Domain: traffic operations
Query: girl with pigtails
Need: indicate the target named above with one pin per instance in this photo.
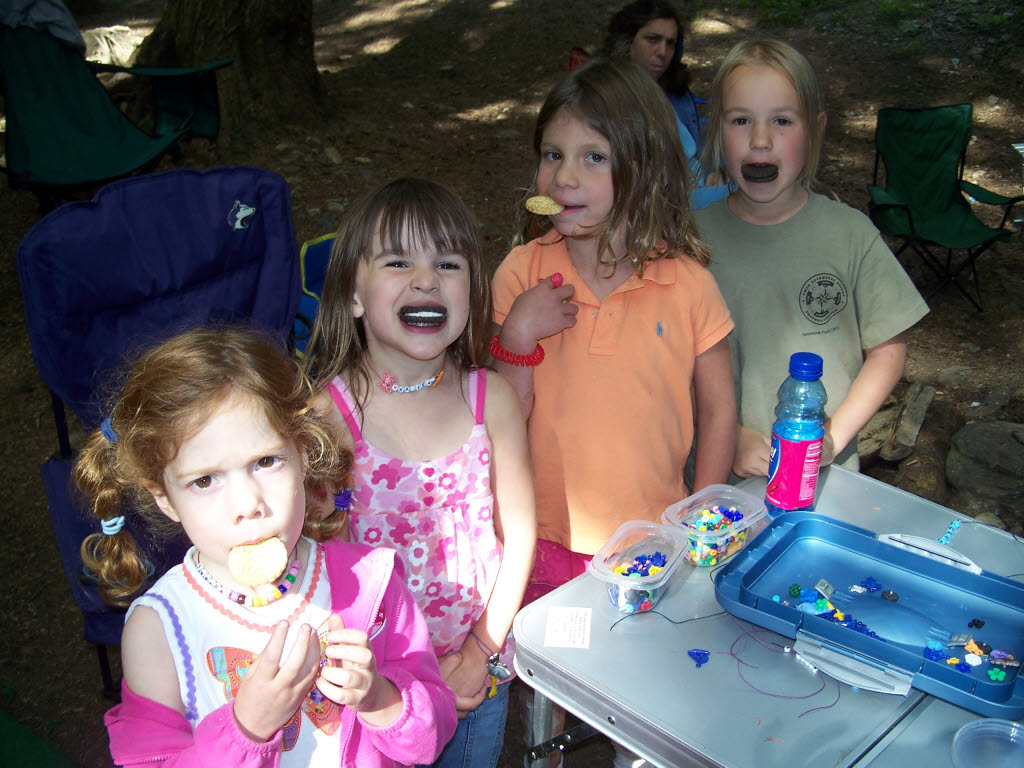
(272, 643)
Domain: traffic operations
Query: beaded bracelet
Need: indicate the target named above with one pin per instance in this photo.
(944, 539)
(498, 352)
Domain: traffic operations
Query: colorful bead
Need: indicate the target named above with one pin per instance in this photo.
(997, 675)
(253, 601)
(699, 655)
(389, 384)
(870, 584)
(708, 549)
(944, 538)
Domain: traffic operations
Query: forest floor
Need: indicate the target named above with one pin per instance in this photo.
(449, 91)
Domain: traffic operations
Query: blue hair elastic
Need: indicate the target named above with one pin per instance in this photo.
(112, 526)
(108, 431)
(343, 500)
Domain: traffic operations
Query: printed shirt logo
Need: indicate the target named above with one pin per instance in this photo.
(230, 665)
(823, 297)
(238, 218)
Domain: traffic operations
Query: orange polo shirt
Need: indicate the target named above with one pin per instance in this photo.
(612, 420)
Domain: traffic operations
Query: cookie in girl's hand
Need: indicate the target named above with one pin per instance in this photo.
(259, 563)
(543, 205)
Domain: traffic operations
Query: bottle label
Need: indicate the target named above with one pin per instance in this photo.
(793, 472)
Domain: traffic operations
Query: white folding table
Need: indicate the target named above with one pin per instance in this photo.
(636, 683)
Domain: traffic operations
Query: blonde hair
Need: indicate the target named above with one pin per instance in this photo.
(795, 66)
(403, 209)
(166, 398)
(650, 178)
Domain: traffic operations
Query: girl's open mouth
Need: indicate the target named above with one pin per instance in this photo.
(759, 173)
(425, 316)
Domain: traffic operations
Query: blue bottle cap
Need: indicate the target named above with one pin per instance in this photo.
(805, 366)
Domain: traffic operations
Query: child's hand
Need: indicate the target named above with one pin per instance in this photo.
(271, 692)
(828, 446)
(352, 679)
(752, 453)
(468, 681)
(542, 311)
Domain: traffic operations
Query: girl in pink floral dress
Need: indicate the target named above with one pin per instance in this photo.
(442, 470)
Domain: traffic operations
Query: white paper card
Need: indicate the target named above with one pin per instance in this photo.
(567, 627)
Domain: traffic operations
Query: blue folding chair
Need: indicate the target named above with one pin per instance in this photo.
(313, 258)
(146, 258)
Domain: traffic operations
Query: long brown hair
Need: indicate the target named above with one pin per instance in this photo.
(650, 177)
(166, 398)
(399, 210)
(629, 20)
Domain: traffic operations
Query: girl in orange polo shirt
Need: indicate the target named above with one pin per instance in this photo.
(609, 320)
(615, 291)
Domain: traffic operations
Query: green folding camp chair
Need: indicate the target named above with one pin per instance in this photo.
(65, 132)
(923, 202)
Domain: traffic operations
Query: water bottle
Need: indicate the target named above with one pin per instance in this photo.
(797, 437)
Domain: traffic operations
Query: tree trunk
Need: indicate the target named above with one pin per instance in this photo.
(273, 76)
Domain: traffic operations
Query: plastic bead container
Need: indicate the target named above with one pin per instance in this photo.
(717, 522)
(636, 562)
(992, 743)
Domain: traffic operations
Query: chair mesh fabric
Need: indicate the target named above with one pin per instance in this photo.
(922, 150)
(147, 257)
(923, 203)
(62, 127)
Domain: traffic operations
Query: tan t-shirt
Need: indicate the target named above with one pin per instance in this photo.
(612, 420)
(822, 281)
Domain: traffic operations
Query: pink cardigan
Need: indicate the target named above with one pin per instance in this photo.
(145, 732)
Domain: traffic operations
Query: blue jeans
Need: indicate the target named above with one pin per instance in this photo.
(478, 739)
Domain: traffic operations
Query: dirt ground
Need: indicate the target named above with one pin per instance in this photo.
(449, 90)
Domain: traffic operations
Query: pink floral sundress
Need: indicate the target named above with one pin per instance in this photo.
(438, 515)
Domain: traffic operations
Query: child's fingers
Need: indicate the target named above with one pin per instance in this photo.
(468, 703)
(304, 658)
(352, 655)
(335, 693)
(270, 658)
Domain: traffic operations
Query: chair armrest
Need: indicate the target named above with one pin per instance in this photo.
(891, 215)
(988, 197)
(96, 66)
(882, 198)
(183, 98)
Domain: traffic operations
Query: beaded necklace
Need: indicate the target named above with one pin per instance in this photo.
(389, 383)
(253, 601)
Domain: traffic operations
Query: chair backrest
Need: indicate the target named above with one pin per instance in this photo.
(313, 256)
(149, 256)
(62, 126)
(923, 152)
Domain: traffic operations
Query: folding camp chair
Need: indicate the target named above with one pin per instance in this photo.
(922, 203)
(313, 258)
(147, 257)
(64, 132)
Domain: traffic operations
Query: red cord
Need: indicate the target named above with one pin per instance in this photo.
(498, 352)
